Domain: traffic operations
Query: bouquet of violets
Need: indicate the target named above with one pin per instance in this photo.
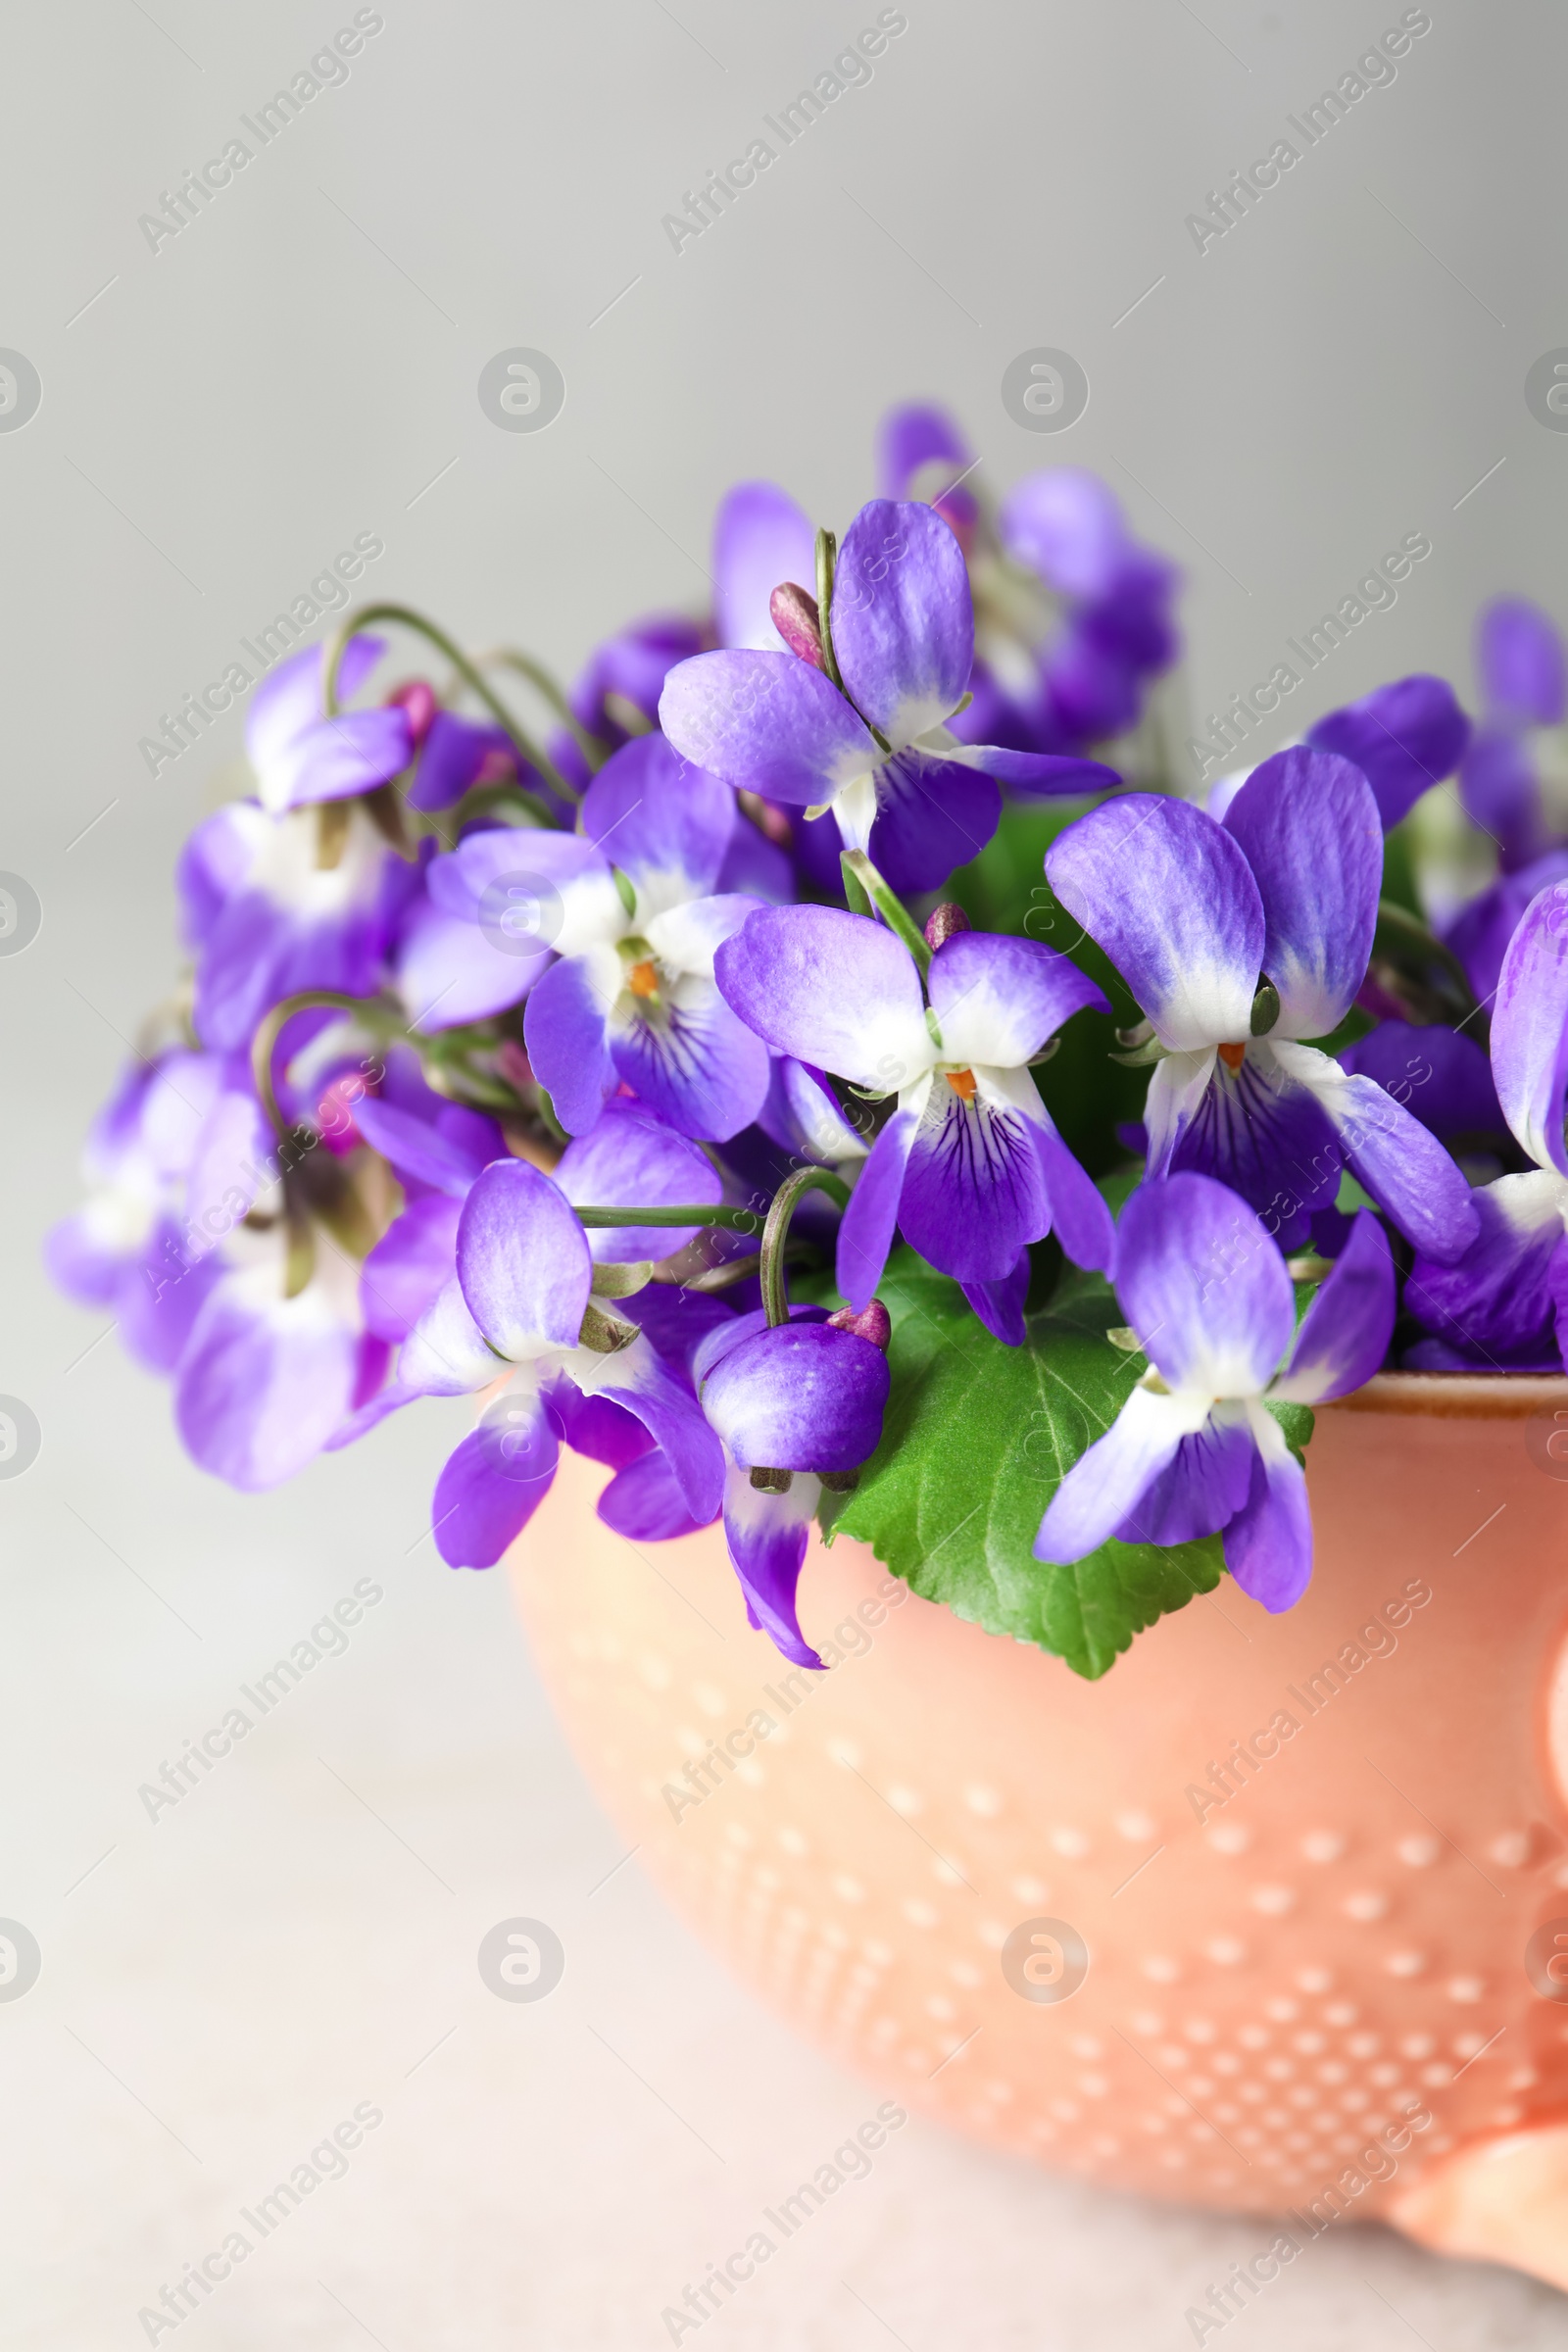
(830, 1070)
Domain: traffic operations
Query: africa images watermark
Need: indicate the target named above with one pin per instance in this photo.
(1228, 207)
(1238, 717)
(850, 70)
(1375, 1639)
(326, 593)
(706, 1773)
(328, 2161)
(328, 70)
(328, 1638)
(850, 2162)
(1377, 2161)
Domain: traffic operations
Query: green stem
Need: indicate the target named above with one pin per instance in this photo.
(507, 657)
(827, 553)
(353, 622)
(732, 1220)
(775, 1233)
(890, 906)
(264, 1045)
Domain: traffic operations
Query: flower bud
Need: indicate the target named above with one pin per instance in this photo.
(416, 699)
(945, 922)
(796, 619)
(872, 1323)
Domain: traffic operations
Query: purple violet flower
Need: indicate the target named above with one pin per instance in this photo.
(1239, 940)
(803, 1400)
(969, 1165)
(879, 752)
(1195, 1449)
(1504, 1303)
(300, 757)
(1405, 738)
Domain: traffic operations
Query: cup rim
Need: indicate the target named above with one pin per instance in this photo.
(1457, 1395)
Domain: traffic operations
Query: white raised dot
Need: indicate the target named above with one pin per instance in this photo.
(1229, 1837)
(1086, 2046)
(1507, 2115)
(1282, 2012)
(1511, 1849)
(1315, 1980)
(1273, 1901)
(1309, 2044)
(1146, 2022)
(1226, 2062)
(1523, 2078)
(880, 1955)
(1094, 2087)
(1363, 2046)
(1071, 1844)
(1161, 1969)
(1226, 1952)
(1385, 2074)
(794, 1842)
(1333, 2070)
(654, 1672)
(1465, 1988)
(1371, 1903)
(1253, 2037)
(1031, 1890)
(1137, 1828)
(938, 2005)
(919, 1914)
(848, 1889)
(1199, 2028)
(1437, 2074)
(1322, 1845)
(1467, 2045)
(711, 1700)
(1419, 1852)
(982, 1798)
(1173, 2056)
(1418, 2045)
(905, 1800)
(992, 1934)
(1406, 1964)
(965, 1972)
(1342, 2013)
(1067, 2109)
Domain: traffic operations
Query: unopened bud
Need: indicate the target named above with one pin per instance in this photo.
(797, 621)
(945, 922)
(872, 1323)
(772, 1482)
(420, 703)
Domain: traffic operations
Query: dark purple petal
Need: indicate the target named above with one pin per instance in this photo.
(1206, 1482)
(1500, 788)
(666, 824)
(1442, 1077)
(689, 1058)
(1406, 1170)
(766, 1537)
(866, 1231)
(451, 758)
(1405, 738)
(766, 722)
(644, 1503)
(1204, 1286)
(999, 1305)
(1519, 652)
(973, 1189)
(803, 1397)
(493, 1484)
(1079, 1217)
(1258, 1131)
(933, 813)
(565, 1030)
(1170, 897)
(999, 1000)
(731, 1331)
(450, 971)
(595, 1426)
(640, 1379)
(1480, 932)
(1041, 776)
(761, 540)
(1495, 1303)
(418, 1149)
(1106, 1484)
(1269, 1545)
(1308, 824)
(803, 1115)
(523, 1261)
(1344, 1335)
(405, 1273)
(902, 622)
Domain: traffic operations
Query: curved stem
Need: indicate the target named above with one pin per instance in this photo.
(264, 1045)
(732, 1220)
(775, 1292)
(507, 657)
(890, 906)
(352, 622)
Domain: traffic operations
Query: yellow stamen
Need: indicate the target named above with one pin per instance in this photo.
(643, 980)
(962, 1084)
(1233, 1057)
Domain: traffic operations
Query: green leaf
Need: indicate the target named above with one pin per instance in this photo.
(976, 1439)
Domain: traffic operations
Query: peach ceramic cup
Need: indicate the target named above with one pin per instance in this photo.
(1030, 1904)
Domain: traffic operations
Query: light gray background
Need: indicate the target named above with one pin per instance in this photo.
(300, 365)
